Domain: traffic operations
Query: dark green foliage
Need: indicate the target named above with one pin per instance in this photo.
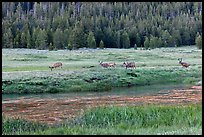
(125, 41)
(7, 39)
(199, 42)
(58, 39)
(118, 25)
(101, 45)
(135, 46)
(146, 43)
(77, 38)
(51, 47)
(91, 42)
(18, 126)
(69, 46)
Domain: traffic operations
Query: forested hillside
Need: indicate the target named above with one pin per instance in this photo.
(73, 25)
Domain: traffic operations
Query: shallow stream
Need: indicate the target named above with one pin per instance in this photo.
(119, 91)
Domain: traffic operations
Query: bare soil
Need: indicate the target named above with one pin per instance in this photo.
(51, 111)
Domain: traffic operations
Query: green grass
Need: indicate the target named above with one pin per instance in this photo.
(98, 80)
(15, 126)
(145, 119)
(81, 70)
(142, 116)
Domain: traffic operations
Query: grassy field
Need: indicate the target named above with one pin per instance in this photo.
(143, 120)
(27, 71)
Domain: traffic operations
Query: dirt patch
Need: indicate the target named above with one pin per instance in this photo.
(51, 111)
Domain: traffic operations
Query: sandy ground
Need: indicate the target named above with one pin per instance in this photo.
(51, 111)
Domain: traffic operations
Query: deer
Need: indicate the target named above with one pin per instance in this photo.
(56, 65)
(105, 65)
(129, 65)
(184, 64)
(112, 65)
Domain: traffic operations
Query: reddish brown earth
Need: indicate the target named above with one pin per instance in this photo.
(56, 110)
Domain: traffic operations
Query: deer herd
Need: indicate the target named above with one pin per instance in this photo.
(125, 64)
(113, 65)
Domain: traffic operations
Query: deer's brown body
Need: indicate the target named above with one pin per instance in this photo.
(112, 65)
(56, 65)
(184, 64)
(129, 65)
(106, 65)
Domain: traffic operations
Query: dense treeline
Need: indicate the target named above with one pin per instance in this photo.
(72, 25)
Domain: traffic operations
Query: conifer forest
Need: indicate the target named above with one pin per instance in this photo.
(73, 25)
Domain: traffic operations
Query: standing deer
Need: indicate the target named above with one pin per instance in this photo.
(56, 65)
(112, 64)
(184, 64)
(129, 65)
(105, 65)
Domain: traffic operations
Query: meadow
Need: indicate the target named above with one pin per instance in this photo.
(26, 71)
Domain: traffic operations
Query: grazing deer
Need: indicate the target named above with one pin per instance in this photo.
(129, 65)
(105, 65)
(112, 64)
(184, 64)
(56, 65)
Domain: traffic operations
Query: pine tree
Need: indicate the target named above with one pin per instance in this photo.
(7, 39)
(132, 35)
(138, 40)
(177, 37)
(91, 42)
(146, 43)
(153, 42)
(51, 47)
(66, 35)
(109, 37)
(41, 40)
(23, 40)
(58, 39)
(69, 46)
(77, 38)
(165, 37)
(118, 37)
(28, 40)
(17, 39)
(198, 42)
(99, 35)
(101, 45)
(125, 41)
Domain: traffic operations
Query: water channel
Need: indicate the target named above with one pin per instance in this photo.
(119, 91)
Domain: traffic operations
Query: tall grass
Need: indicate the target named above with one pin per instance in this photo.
(144, 119)
(15, 126)
(143, 116)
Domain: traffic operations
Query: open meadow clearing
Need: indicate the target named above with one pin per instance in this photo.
(82, 89)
